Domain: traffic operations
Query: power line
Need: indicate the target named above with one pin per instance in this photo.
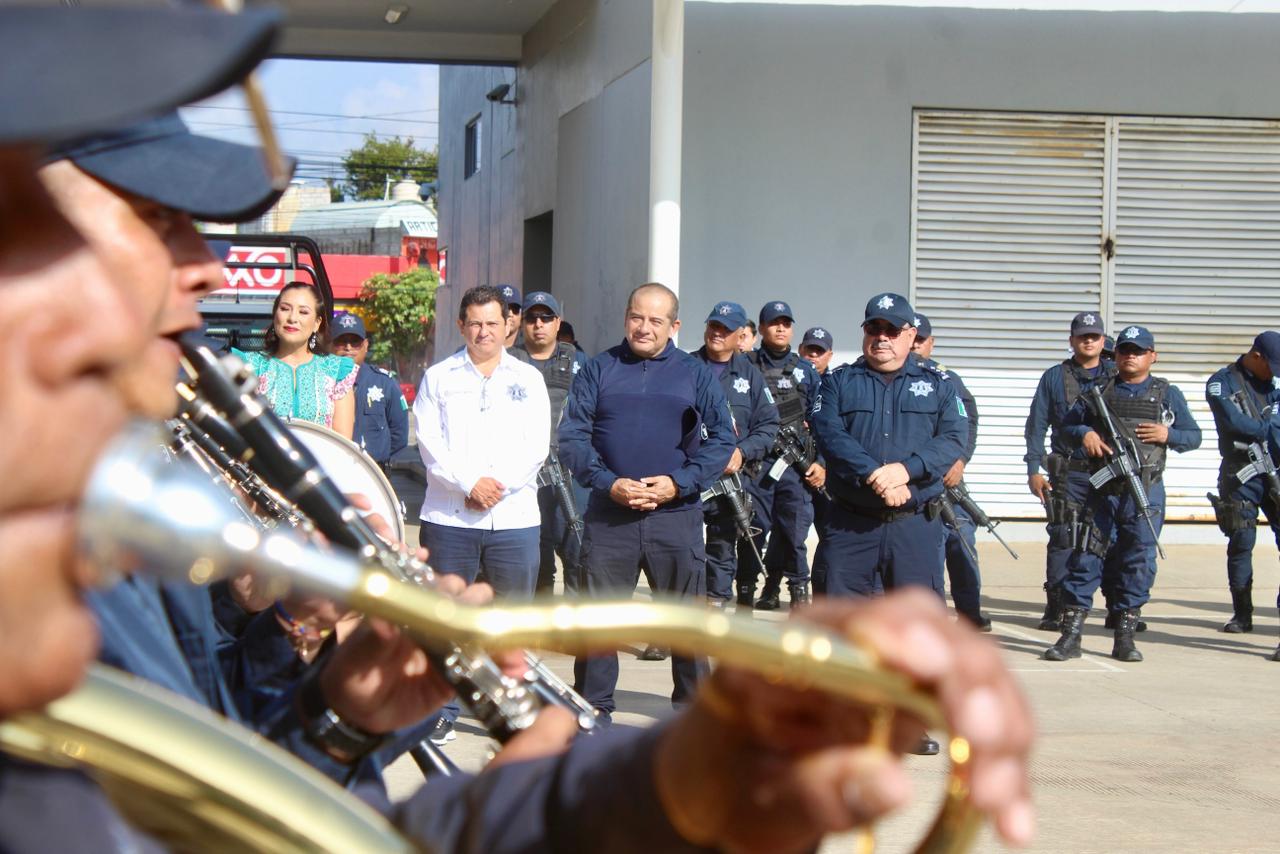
(211, 124)
(381, 117)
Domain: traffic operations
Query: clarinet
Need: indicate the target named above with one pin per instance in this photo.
(504, 705)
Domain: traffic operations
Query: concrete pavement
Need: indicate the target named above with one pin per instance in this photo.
(1174, 754)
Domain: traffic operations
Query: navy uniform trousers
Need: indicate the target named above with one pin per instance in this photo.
(617, 544)
(1059, 551)
(1240, 543)
(907, 551)
(1133, 549)
(786, 512)
(557, 538)
(962, 568)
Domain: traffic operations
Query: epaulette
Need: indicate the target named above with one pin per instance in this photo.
(935, 367)
(386, 371)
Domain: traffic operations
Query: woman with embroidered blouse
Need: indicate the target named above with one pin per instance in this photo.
(295, 371)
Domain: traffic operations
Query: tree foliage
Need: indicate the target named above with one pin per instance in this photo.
(400, 311)
(369, 166)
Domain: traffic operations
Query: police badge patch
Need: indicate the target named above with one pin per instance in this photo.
(920, 388)
(783, 382)
(517, 392)
(741, 385)
(798, 374)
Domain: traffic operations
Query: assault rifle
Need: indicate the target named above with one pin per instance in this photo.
(795, 450)
(944, 508)
(730, 488)
(959, 494)
(1122, 464)
(1260, 463)
(552, 474)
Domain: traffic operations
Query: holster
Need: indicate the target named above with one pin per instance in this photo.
(1233, 516)
(1060, 509)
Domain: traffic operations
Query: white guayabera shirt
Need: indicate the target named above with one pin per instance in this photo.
(472, 426)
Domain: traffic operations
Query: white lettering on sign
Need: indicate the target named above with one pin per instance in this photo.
(253, 279)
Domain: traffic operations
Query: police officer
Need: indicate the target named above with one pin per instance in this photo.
(559, 363)
(1064, 491)
(1152, 417)
(382, 413)
(647, 429)
(786, 508)
(816, 349)
(755, 422)
(962, 564)
(1239, 395)
(513, 309)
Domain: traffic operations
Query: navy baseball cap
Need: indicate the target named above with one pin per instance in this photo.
(544, 299)
(346, 323)
(511, 294)
(70, 72)
(817, 337)
(730, 315)
(773, 310)
(891, 307)
(164, 162)
(1135, 336)
(924, 329)
(1108, 344)
(1267, 345)
(1087, 323)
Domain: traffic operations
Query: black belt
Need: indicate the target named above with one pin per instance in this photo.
(886, 515)
(1079, 465)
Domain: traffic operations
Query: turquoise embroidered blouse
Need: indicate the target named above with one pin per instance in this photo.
(308, 392)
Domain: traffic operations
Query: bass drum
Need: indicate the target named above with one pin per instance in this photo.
(352, 470)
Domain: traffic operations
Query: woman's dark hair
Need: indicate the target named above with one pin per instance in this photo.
(271, 341)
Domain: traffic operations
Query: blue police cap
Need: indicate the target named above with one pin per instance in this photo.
(1135, 336)
(161, 160)
(891, 307)
(543, 299)
(346, 323)
(70, 72)
(924, 329)
(1267, 345)
(1108, 344)
(730, 315)
(511, 294)
(1087, 323)
(818, 337)
(773, 310)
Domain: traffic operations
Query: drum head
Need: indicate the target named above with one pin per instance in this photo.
(352, 470)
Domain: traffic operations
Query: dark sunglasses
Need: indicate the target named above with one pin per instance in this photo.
(875, 330)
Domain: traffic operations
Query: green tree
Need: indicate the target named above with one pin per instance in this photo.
(369, 166)
(400, 309)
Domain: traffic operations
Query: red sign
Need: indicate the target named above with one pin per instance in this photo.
(256, 280)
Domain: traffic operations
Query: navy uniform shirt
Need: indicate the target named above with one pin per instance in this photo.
(1049, 409)
(382, 414)
(755, 418)
(1235, 425)
(862, 423)
(970, 408)
(1184, 432)
(632, 417)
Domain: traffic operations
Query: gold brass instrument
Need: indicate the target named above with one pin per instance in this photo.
(192, 779)
(138, 516)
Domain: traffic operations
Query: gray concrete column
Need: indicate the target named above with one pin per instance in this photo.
(665, 133)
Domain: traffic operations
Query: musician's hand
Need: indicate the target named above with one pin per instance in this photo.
(735, 462)
(379, 680)
(816, 476)
(757, 765)
(551, 733)
(661, 487)
(1152, 434)
(251, 593)
(888, 477)
(487, 492)
(1094, 446)
(954, 474)
(633, 494)
(1040, 487)
(897, 496)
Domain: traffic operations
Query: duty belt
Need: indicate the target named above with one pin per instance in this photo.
(886, 515)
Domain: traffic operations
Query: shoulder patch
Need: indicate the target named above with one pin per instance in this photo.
(384, 371)
(1215, 389)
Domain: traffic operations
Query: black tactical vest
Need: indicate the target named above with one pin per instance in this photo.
(1245, 399)
(784, 387)
(1129, 412)
(1075, 378)
(557, 373)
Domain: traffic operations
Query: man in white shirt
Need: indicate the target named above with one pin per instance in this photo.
(483, 421)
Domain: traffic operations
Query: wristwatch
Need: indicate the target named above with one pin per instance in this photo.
(325, 729)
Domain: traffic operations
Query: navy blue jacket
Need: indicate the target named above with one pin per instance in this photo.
(1234, 425)
(755, 418)
(1049, 409)
(382, 414)
(862, 423)
(970, 408)
(632, 417)
(1184, 432)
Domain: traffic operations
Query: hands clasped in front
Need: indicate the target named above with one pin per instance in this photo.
(647, 493)
(890, 483)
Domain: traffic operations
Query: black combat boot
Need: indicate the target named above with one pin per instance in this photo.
(1052, 619)
(1113, 620)
(769, 600)
(653, 652)
(799, 594)
(1242, 606)
(746, 597)
(1123, 649)
(1068, 646)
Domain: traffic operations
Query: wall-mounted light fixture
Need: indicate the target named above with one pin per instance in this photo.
(395, 14)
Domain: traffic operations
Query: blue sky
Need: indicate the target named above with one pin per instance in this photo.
(345, 100)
